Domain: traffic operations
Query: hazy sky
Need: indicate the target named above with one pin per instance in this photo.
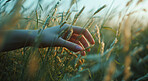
(95, 4)
(89, 4)
(116, 4)
(92, 5)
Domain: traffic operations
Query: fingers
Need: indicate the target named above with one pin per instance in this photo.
(70, 45)
(76, 45)
(80, 30)
(83, 53)
(82, 39)
(85, 32)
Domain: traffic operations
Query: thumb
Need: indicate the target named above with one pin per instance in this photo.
(70, 45)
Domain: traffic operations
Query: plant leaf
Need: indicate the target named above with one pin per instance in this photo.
(41, 6)
(109, 28)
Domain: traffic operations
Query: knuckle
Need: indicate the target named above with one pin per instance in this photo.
(82, 37)
(85, 30)
(66, 25)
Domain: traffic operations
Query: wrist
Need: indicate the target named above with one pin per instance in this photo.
(32, 36)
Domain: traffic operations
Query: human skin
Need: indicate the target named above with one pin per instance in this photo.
(15, 39)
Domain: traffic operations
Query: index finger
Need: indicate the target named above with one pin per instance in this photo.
(85, 32)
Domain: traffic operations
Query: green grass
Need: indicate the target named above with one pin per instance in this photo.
(117, 56)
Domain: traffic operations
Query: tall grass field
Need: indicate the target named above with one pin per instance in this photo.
(120, 52)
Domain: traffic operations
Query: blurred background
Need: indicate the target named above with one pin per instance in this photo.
(113, 10)
(119, 28)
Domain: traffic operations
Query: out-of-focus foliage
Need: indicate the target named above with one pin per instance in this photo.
(120, 53)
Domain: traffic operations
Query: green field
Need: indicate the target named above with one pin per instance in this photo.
(120, 52)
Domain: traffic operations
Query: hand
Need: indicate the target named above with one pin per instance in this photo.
(50, 38)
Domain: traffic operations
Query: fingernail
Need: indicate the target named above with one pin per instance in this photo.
(79, 48)
(93, 42)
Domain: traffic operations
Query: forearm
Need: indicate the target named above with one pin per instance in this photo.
(15, 39)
